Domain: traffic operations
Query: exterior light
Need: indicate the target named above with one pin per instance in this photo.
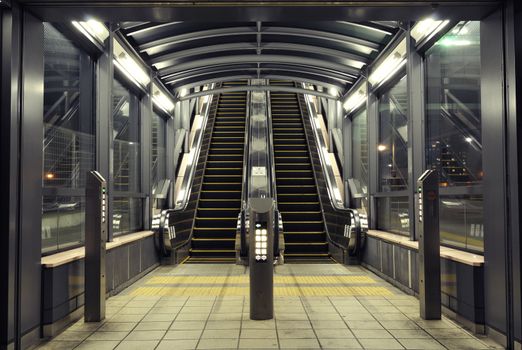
(94, 30)
(381, 148)
(427, 28)
(356, 98)
(394, 61)
(161, 100)
(128, 65)
(49, 176)
(469, 139)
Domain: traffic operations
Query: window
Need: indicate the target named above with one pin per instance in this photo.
(69, 141)
(393, 138)
(159, 146)
(453, 133)
(127, 205)
(360, 157)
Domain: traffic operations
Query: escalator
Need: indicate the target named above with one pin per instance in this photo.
(297, 194)
(219, 203)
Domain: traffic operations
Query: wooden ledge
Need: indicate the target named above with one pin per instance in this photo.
(68, 256)
(445, 252)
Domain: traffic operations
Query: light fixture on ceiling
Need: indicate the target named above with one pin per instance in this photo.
(389, 65)
(356, 98)
(427, 28)
(183, 92)
(161, 100)
(94, 30)
(128, 65)
(333, 92)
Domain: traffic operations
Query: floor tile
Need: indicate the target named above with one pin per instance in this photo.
(291, 316)
(358, 317)
(328, 324)
(324, 317)
(217, 344)
(117, 327)
(339, 344)
(223, 325)
(152, 326)
(145, 335)
(333, 333)
(192, 317)
(98, 345)
(409, 333)
(177, 325)
(372, 333)
(387, 344)
(293, 324)
(59, 345)
(220, 333)
(108, 336)
(264, 324)
(463, 344)
(399, 325)
(455, 333)
(258, 333)
(299, 344)
(186, 344)
(159, 317)
(364, 325)
(73, 335)
(421, 344)
(137, 345)
(183, 334)
(296, 333)
(267, 343)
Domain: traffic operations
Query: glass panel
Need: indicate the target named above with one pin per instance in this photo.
(126, 132)
(392, 215)
(453, 99)
(453, 132)
(159, 146)
(68, 147)
(360, 157)
(461, 222)
(127, 215)
(127, 210)
(393, 138)
(63, 222)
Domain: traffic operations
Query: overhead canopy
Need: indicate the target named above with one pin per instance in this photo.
(188, 54)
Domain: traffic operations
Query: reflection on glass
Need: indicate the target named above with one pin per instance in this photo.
(454, 142)
(453, 133)
(392, 215)
(360, 157)
(393, 138)
(461, 223)
(127, 215)
(127, 212)
(159, 146)
(68, 147)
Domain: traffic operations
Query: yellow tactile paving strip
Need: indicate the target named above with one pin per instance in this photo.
(244, 279)
(286, 291)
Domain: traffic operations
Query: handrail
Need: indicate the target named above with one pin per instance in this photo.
(242, 227)
(357, 226)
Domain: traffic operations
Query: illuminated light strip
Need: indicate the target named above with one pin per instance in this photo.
(94, 30)
(356, 98)
(161, 100)
(128, 65)
(427, 28)
(390, 65)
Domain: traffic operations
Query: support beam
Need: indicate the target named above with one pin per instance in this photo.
(257, 88)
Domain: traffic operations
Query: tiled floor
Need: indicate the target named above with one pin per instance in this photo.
(205, 307)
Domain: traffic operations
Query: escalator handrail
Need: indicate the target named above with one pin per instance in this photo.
(246, 176)
(355, 217)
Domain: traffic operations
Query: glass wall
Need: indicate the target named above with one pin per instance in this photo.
(453, 133)
(127, 203)
(69, 141)
(159, 146)
(360, 157)
(393, 138)
(392, 149)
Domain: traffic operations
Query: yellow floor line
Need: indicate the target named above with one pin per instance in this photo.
(242, 279)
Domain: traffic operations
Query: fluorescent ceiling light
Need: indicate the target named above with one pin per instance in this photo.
(427, 28)
(356, 98)
(161, 100)
(183, 92)
(94, 30)
(128, 65)
(389, 65)
(333, 92)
